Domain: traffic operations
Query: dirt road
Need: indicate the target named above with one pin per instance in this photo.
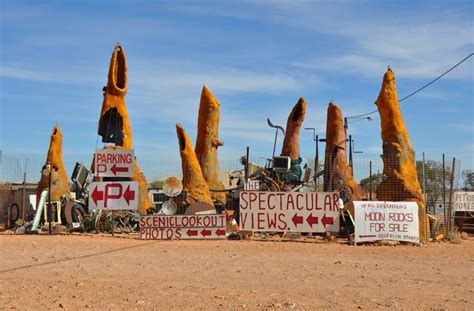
(104, 273)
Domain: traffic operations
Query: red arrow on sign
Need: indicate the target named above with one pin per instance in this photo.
(97, 195)
(205, 232)
(191, 233)
(297, 219)
(129, 195)
(116, 169)
(312, 220)
(220, 232)
(327, 220)
(367, 236)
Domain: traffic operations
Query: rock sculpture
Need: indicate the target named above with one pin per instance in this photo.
(291, 142)
(400, 181)
(114, 123)
(54, 163)
(336, 168)
(207, 142)
(193, 180)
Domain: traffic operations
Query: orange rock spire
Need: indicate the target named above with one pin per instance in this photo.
(336, 167)
(207, 142)
(291, 143)
(193, 180)
(114, 123)
(54, 161)
(401, 181)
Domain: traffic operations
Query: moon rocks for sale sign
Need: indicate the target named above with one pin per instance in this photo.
(376, 220)
(289, 211)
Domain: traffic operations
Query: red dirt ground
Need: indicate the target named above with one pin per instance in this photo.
(78, 272)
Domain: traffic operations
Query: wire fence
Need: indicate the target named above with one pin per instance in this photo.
(437, 176)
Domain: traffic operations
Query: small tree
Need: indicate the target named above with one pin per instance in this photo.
(468, 179)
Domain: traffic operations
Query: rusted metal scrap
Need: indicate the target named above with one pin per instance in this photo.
(194, 183)
(207, 142)
(336, 167)
(114, 123)
(54, 164)
(400, 181)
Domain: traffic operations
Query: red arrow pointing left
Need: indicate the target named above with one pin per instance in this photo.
(312, 220)
(119, 169)
(206, 233)
(191, 233)
(220, 232)
(327, 220)
(297, 219)
(129, 195)
(97, 195)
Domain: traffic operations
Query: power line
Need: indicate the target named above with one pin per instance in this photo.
(421, 88)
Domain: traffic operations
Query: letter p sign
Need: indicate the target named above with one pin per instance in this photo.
(112, 192)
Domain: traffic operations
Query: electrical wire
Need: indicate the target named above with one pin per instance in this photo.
(421, 88)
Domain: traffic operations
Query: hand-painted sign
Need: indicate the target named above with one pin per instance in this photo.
(251, 185)
(114, 162)
(113, 195)
(463, 201)
(376, 220)
(289, 211)
(160, 227)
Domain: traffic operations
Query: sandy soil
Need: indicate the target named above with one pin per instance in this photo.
(105, 273)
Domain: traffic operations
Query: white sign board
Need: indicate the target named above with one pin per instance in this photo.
(113, 162)
(159, 227)
(463, 201)
(289, 211)
(251, 185)
(111, 195)
(376, 220)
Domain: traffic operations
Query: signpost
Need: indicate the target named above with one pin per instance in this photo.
(113, 162)
(251, 185)
(183, 227)
(113, 195)
(376, 220)
(289, 211)
(463, 201)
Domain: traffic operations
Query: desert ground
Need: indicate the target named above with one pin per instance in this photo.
(80, 272)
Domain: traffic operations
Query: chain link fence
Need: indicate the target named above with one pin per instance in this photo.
(438, 175)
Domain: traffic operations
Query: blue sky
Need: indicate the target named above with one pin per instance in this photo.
(258, 58)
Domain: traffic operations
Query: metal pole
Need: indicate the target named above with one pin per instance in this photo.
(370, 180)
(23, 208)
(247, 164)
(274, 146)
(113, 225)
(450, 209)
(350, 151)
(316, 164)
(444, 198)
(49, 194)
(424, 197)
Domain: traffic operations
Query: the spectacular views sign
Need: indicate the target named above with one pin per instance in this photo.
(289, 211)
(386, 221)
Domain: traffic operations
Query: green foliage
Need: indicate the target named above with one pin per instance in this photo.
(376, 180)
(156, 184)
(468, 178)
(433, 173)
